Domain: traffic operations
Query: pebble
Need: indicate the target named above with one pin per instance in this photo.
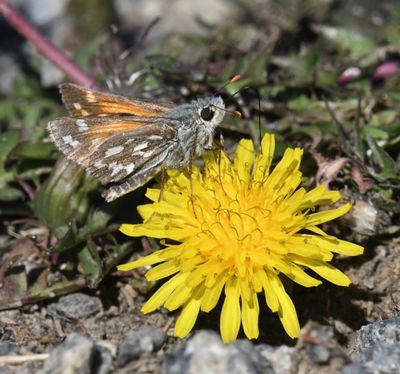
(76, 306)
(145, 339)
(318, 354)
(377, 347)
(382, 332)
(354, 368)
(282, 358)
(78, 355)
(7, 348)
(380, 359)
(142, 12)
(205, 353)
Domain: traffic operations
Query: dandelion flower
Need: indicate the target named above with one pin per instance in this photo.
(237, 228)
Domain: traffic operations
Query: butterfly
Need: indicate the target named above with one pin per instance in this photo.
(124, 142)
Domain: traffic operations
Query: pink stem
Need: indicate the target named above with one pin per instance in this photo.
(44, 46)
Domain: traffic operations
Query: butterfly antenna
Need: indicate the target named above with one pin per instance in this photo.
(259, 117)
(236, 113)
(232, 80)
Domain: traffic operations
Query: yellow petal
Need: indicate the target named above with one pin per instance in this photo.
(144, 261)
(332, 274)
(187, 318)
(178, 297)
(162, 271)
(319, 196)
(250, 312)
(230, 314)
(144, 230)
(263, 161)
(287, 312)
(243, 159)
(269, 293)
(327, 215)
(301, 277)
(325, 270)
(332, 244)
(163, 293)
(212, 295)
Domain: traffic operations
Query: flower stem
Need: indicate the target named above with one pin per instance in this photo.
(45, 47)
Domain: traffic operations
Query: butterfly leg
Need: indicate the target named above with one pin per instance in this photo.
(192, 158)
(159, 196)
(218, 147)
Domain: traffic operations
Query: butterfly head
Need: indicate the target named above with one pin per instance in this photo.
(208, 112)
(211, 111)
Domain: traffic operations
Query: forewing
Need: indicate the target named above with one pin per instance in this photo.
(111, 148)
(84, 102)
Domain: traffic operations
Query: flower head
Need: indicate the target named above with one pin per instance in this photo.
(239, 227)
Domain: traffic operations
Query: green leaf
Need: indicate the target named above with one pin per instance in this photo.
(36, 151)
(375, 133)
(300, 103)
(383, 159)
(10, 194)
(8, 141)
(65, 195)
(356, 43)
(91, 263)
(384, 117)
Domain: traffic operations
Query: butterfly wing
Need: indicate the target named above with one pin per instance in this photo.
(84, 102)
(112, 148)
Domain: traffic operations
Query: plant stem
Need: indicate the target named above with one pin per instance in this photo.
(45, 47)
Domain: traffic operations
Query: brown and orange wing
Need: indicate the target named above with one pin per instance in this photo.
(112, 148)
(85, 102)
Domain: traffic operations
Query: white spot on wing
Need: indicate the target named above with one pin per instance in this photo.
(140, 146)
(114, 150)
(99, 164)
(90, 98)
(155, 137)
(77, 106)
(138, 153)
(148, 153)
(130, 167)
(70, 141)
(83, 126)
(115, 168)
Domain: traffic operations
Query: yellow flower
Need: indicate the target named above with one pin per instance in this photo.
(238, 227)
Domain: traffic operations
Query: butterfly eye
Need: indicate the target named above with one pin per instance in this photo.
(207, 114)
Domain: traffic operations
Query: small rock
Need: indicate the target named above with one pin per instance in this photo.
(177, 15)
(318, 354)
(41, 12)
(77, 355)
(74, 355)
(382, 332)
(146, 339)
(103, 360)
(7, 348)
(4, 371)
(206, 354)
(383, 358)
(378, 346)
(76, 306)
(281, 358)
(354, 368)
